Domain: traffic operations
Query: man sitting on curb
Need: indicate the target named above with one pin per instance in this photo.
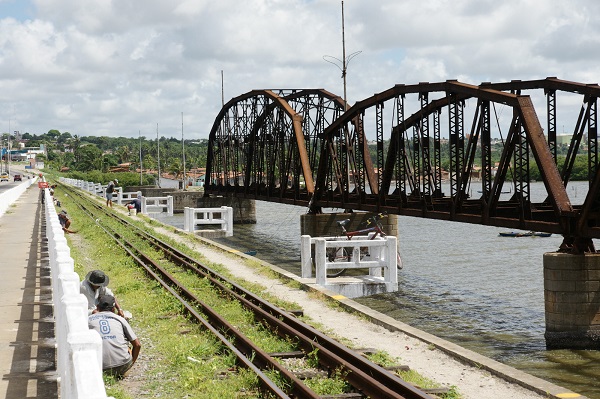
(116, 334)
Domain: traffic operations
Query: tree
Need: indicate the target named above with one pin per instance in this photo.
(89, 157)
(149, 162)
(64, 138)
(176, 168)
(53, 134)
(123, 154)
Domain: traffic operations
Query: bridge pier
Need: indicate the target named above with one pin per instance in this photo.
(323, 224)
(572, 300)
(244, 210)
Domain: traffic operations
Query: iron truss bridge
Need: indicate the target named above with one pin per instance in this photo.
(385, 153)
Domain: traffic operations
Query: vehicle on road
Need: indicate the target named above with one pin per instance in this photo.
(18, 178)
(4, 177)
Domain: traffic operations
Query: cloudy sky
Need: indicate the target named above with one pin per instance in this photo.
(122, 67)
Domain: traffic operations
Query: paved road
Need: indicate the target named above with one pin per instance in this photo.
(7, 185)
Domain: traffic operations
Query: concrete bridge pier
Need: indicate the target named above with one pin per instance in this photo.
(244, 209)
(324, 224)
(572, 300)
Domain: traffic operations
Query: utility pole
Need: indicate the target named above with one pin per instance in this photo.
(222, 91)
(183, 153)
(8, 148)
(344, 58)
(158, 154)
(141, 166)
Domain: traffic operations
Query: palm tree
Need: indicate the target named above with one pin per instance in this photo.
(124, 153)
(176, 168)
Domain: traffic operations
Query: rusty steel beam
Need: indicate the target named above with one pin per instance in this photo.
(541, 152)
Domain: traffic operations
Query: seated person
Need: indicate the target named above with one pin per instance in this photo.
(65, 222)
(95, 285)
(136, 204)
(116, 334)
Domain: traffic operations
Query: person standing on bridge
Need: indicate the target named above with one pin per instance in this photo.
(110, 189)
(116, 334)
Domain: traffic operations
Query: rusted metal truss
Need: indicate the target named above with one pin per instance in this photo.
(263, 144)
(299, 147)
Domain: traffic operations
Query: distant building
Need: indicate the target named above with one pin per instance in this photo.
(23, 153)
(564, 138)
(122, 167)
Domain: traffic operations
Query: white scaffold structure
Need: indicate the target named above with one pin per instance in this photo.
(222, 216)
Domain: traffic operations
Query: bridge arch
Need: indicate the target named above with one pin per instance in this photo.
(267, 140)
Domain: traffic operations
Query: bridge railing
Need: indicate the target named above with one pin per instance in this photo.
(376, 254)
(158, 204)
(79, 349)
(222, 216)
(99, 189)
(126, 197)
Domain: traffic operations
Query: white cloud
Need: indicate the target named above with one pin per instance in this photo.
(116, 67)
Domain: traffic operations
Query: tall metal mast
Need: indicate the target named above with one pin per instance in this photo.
(158, 154)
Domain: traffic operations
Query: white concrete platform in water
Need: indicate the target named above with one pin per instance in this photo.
(210, 233)
(380, 261)
(353, 287)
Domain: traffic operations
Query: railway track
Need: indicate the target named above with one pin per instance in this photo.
(163, 263)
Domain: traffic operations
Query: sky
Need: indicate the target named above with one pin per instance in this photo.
(141, 67)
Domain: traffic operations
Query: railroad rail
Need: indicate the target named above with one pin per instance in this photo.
(363, 375)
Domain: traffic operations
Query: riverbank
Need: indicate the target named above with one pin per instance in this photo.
(473, 375)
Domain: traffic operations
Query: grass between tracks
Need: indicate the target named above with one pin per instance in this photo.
(178, 358)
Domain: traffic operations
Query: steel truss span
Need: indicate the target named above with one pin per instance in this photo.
(418, 150)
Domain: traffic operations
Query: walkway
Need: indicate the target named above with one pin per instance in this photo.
(27, 348)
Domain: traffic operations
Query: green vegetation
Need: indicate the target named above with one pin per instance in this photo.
(77, 153)
(426, 383)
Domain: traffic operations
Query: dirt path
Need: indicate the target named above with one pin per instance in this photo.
(472, 382)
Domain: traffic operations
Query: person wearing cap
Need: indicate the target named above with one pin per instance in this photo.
(93, 287)
(135, 203)
(65, 222)
(109, 192)
(116, 334)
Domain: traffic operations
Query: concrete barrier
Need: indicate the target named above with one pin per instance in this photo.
(222, 216)
(79, 349)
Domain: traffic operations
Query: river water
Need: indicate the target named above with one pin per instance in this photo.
(460, 282)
